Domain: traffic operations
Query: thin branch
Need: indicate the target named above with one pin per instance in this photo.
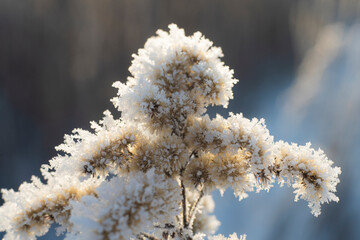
(184, 203)
(193, 153)
(148, 236)
(194, 207)
(183, 192)
(178, 218)
(167, 226)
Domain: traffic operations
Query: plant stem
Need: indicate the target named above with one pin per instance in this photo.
(183, 192)
(194, 207)
(184, 203)
(148, 236)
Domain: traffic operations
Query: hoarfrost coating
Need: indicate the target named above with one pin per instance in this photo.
(148, 175)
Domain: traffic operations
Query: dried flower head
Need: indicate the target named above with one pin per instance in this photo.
(148, 175)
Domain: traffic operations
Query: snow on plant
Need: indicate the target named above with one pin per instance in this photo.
(149, 174)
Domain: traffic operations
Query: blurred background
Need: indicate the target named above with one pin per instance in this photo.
(299, 68)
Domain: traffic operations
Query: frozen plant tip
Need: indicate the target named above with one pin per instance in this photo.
(149, 174)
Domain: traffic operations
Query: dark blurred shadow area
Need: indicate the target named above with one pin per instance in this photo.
(298, 63)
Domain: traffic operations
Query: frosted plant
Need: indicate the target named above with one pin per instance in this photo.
(149, 174)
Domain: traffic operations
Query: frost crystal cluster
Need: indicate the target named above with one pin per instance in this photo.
(149, 174)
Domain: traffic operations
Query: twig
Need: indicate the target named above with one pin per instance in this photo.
(183, 192)
(193, 153)
(184, 203)
(194, 207)
(148, 236)
(167, 226)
